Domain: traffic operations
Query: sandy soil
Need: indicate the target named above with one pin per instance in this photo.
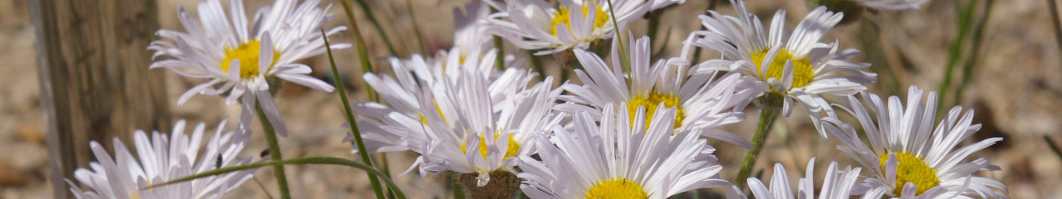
(1016, 92)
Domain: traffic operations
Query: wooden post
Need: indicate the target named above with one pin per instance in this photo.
(95, 83)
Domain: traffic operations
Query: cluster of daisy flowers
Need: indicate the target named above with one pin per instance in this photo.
(626, 126)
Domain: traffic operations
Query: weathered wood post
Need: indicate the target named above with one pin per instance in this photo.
(95, 83)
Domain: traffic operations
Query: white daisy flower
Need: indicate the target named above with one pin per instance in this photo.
(161, 159)
(910, 158)
(799, 67)
(537, 25)
(383, 125)
(611, 159)
(470, 132)
(701, 100)
(838, 184)
(231, 53)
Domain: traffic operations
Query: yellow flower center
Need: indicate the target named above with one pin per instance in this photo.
(564, 16)
(802, 74)
(651, 102)
(247, 53)
(912, 169)
(616, 189)
(514, 147)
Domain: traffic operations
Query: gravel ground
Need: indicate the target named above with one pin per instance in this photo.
(1016, 92)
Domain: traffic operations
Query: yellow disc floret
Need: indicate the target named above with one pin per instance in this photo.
(651, 102)
(911, 168)
(247, 53)
(802, 73)
(514, 147)
(616, 189)
(564, 16)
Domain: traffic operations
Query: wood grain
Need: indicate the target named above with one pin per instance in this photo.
(95, 82)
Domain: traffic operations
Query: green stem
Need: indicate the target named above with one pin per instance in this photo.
(971, 63)
(624, 60)
(654, 24)
(499, 59)
(457, 186)
(772, 104)
(955, 53)
(302, 160)
(274, 153)
(387, 172)
(536, 63)
(350, 120)
(363, 51)
(372, 19)
(416, 29)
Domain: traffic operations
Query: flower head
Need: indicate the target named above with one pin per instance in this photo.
(907, 155)
(472, 132)
(238, 58)
(701, 100)
(838, 184)
(459, 116)
(575, 24)
(160, 159)
(791, 63)
(383, 125)
(612, 160)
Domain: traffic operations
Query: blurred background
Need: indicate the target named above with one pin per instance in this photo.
(1004, 54)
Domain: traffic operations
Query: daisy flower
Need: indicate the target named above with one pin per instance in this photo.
(701, 100)
(161, 159)
(383, 125)
(239, 57)
(537, 25)
(909, 157)
(469, 132)
(793, 63)
(838, 184)
(619, 159)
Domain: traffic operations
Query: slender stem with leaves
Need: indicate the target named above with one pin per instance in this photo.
(376, 188)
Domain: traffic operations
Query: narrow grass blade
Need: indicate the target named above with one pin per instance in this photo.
(955, 53)
(372, 19)
(295, 161)
(970, 67)
(359, 42)
(350, 120)
(625, 61)
(416, 29)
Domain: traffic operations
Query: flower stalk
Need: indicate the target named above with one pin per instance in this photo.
(274, 153)
(772, 106)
